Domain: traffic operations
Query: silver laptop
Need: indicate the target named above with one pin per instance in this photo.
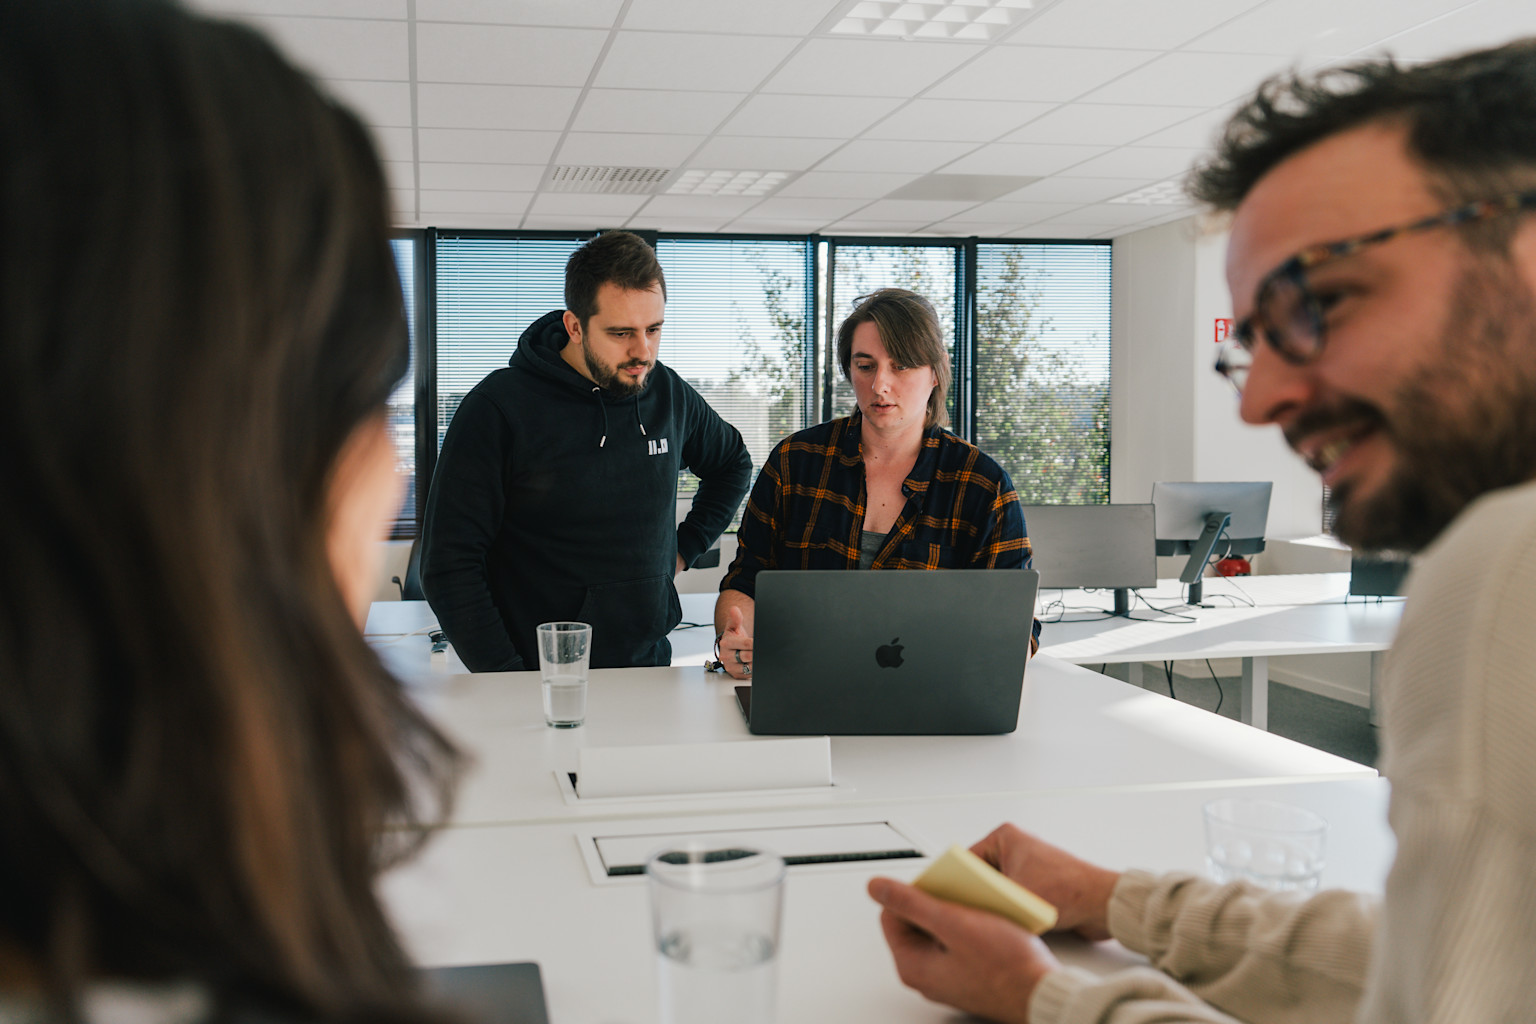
(845, 652)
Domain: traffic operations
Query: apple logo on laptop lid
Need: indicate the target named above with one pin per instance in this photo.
(889, 655)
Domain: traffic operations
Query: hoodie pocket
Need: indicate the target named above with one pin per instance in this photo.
(629, 620)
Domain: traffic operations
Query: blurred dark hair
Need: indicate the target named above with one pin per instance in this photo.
(910, 331)
(614, 257)
(1470, 121)
(199, 755)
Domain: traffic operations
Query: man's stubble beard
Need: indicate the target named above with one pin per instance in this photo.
(1463, 426)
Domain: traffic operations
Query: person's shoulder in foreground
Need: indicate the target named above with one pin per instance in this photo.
(1382, 263)
(203, 766)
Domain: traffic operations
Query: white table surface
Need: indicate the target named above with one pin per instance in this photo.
(1252, 617)
(507, 893)
(1078, 730)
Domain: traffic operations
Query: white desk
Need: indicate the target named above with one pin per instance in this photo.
(1078, 731)
(1301, 614)
(523, 893)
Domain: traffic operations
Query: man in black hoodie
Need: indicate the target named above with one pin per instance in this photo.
(554, 497)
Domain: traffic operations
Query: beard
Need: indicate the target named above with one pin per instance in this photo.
(610, 379)
(1462, 426)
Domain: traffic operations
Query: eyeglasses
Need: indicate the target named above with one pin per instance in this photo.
(1289, 314)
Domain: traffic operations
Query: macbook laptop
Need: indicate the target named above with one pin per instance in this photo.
(847, 652)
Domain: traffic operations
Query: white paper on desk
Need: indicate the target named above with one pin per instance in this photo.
(796, 763)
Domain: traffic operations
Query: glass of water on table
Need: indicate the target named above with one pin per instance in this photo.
(715, 923)
(565, 649)
(1276, 845)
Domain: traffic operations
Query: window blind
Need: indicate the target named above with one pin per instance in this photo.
(1042, 368)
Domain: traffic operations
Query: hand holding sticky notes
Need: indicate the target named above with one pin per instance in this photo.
(962, 877)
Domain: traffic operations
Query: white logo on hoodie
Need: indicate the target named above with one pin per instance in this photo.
(658, 447)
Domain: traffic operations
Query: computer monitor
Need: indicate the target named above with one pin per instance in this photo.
(1093, 547)
(1198, 519)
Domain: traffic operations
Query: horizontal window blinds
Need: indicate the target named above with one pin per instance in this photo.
(857, 270)
(1042, 368)
(736, 331)
(489, 289)
(402, 403)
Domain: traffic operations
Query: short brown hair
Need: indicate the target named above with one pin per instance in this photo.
(613, 257)
(910, 331)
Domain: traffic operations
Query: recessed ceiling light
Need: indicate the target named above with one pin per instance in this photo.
(972, 20)
(1164, 193)
(726, 183)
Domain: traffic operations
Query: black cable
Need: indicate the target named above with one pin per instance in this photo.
(1220, 693)
(1168, 671)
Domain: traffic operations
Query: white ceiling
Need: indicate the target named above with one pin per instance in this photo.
(474, 102)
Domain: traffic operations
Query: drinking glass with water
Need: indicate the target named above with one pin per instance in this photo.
(715, 920)
(565, 649)
(1276, 845)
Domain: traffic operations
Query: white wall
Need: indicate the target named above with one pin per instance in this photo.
(1173, 417)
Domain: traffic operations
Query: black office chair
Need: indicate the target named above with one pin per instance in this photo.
(410, 590)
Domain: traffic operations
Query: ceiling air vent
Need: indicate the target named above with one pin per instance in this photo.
(610, 180)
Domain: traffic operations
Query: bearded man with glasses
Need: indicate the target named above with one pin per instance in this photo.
(1382, 263)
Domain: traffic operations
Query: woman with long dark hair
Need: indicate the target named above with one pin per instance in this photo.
(201, 762)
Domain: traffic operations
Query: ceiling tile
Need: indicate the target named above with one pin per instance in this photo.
(646, 222)
(400, 174)
(502, 55)
(312, 8)
(761, 154)
(784, 207)
(1187, 79)
(1018, 213)
(807, 116)
(586, 14)
(956, 120)
(1138, 162)
(868, 67)
(1303, 29)
(1106, 215)
(876, 227)
(1472, 27)
(523, 107)
(1119, 24)
(394, 143)
(884, 156)
(963, 227)
(597, 206)
(649, 110)
(722, 207)
(925, 210)
(785, 17)
(845, 185)
(1074, 190)
(1038, 73)
(674, 60)
(631, 149)
(1012, 158)
(773, 226)
(402, 201)
(1198, 132)
(1055, 231)
(385, 104)
(472, 146)
(481, 177)
(1099, 124)
(444, 201)
(344, 47)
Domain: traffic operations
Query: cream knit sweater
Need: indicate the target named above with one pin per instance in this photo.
(1454, 937)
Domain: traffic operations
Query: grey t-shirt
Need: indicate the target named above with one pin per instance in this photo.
(870, 544)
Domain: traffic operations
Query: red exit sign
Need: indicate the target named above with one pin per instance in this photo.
(1223, 328)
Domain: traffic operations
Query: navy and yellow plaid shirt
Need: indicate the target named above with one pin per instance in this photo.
(806, 510)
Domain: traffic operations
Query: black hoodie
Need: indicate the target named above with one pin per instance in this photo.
(553, 500)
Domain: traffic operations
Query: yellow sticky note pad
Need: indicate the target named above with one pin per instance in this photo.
(962, 877)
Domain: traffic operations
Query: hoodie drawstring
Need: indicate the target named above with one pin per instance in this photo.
(637, 416)
(597, 393)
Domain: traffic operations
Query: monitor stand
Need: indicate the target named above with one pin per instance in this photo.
(1200, 554)
(1122, 602)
